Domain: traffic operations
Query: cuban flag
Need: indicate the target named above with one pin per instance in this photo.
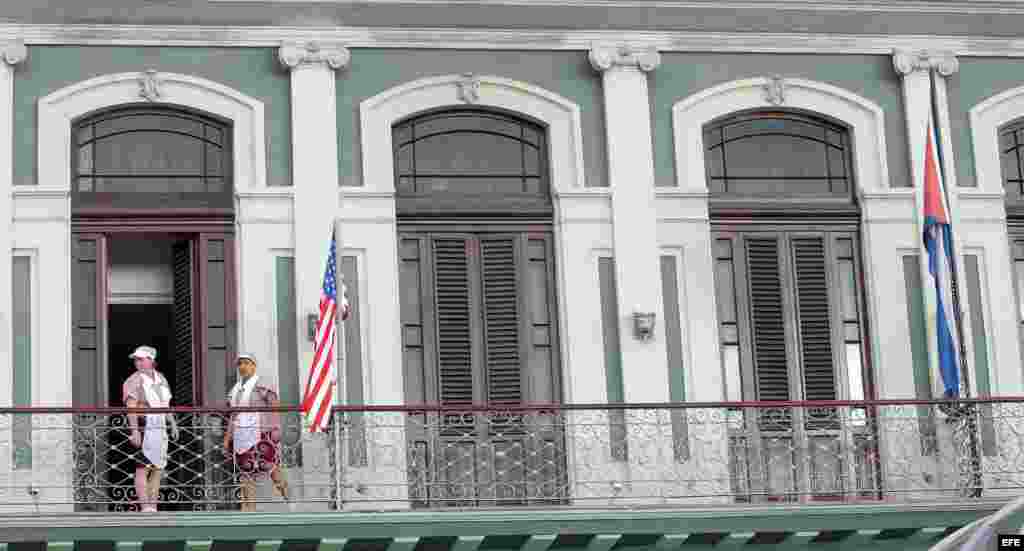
(938, 250)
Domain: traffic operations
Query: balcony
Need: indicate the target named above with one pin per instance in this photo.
(696, 460)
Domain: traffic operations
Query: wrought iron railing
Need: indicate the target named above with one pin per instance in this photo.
(693, 454)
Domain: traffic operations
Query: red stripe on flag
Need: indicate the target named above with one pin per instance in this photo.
(321, 361)
(933, 207)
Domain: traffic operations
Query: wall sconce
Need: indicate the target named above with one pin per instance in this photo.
(311, 320)
(643, 325)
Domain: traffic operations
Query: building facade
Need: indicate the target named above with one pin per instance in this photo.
(595, 203)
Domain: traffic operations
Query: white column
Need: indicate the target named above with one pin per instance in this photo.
(12, 54)
(314, 175)
(634, 222)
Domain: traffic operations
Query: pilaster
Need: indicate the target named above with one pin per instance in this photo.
(314, 175)
(634, 222)
(11, 54)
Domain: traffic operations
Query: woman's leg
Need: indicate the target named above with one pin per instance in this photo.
(153, 487)
(141, 490)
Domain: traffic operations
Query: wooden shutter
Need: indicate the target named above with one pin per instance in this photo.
(454, 336)
(814, 318)
(501, 320)
(89, 322)
(217, 320)
(764, 277)
(89, 366)
(184, 389)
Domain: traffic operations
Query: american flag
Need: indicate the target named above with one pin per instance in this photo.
(319, 395)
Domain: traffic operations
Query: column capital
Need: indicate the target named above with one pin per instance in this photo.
(906, 62)
(605, 57)
(293, 56)
(14, 52)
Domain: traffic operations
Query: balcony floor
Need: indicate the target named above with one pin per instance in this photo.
(877, 526)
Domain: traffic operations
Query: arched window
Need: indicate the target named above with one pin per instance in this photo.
(478, 298)
(146, 156)
(1011, 143)
(788, 282)
(470, 161)
(778, 155)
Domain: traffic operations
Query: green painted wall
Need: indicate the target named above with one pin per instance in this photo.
(871, 77)
(977, 80)
(568, 74)
(252, 71)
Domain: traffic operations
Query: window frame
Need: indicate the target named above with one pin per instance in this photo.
(99, 203)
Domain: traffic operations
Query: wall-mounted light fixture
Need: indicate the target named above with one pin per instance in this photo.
(643, 324)
(311, 320)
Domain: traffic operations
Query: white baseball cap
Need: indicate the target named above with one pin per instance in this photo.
(144, 352)
(245, 356)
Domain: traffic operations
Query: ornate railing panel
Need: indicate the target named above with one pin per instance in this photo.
(609, 455)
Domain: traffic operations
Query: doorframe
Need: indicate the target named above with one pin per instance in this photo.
(198, 226)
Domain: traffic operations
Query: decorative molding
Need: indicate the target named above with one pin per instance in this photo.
(58, 109)
(604, 57)
(510, 39)
(775, 91)
(293, 56)
(149, 85)
(952, 7)
(380, 112)
(987, 117)
(906, 62)
(14, 52)
(866, 119)
(469, 88)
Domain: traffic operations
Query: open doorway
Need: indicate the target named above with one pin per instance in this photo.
(133, 325)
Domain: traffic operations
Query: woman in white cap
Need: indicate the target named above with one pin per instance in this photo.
(254, 438)
(148, 388)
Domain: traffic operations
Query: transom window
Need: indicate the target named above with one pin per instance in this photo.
(151, 150)
(1011, 141)
(468, 159)
(777, 154)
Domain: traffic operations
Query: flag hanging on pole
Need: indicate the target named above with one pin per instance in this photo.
(319, 396)
(941, 302)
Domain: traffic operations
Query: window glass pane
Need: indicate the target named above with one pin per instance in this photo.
(85, 184)
(836, 162)
(403, 160)
(731, 367)
(215, 185)
(713, 161)
(139, 153)
(85, 133)
(214, 160)
(148, 122)
(532, 160)
(471, 185)
(854, 371)
(839, 186)
(775, 156)
(468, 153)
(1006, 141)
(532, 185)
(532, 135)
(775, 187)
(467, 121)
(1019, 269)
(406, 185)
(848, 289)
(1011, 168)
(150, 185)
(85, 159)
(835, 138)
(767, 123)
(214, 135)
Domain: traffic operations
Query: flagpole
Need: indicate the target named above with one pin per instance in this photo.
(342, 359)
(975, 488)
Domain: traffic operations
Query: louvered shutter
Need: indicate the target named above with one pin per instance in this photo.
(814, 318)
(499, 276)
(768, 321)
(454, 336)
(184, 390)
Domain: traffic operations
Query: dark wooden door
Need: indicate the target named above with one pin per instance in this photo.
(478, 328)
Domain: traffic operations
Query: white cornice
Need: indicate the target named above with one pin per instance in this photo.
(970, 7)
(498, 39)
